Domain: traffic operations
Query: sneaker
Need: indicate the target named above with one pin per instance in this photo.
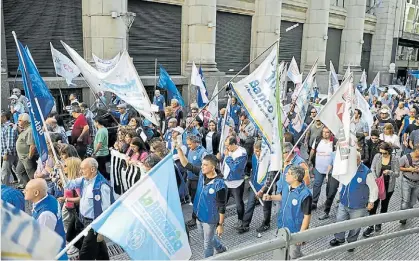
(334, 242)
(243, 230)
(222, 250)
(378, 228)
(351, 250)
(72, 250)
(190, 204)
(324, 216)
(263, 228)
(368, 232)
(403, 222)
(238, 224)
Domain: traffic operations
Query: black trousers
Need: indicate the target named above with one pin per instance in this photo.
(332, 187)
(250, 208)
(384, 204)
(237, 194)
(192, 185)
(102, 160)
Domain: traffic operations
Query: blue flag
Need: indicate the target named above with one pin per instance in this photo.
(35, 88)
(165, 82)
(153, 227)
(199, 99)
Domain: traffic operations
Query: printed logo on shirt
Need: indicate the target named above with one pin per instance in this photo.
(194, 157)
(294, 202)
(97, 197)
(211, 191)
(359, 180)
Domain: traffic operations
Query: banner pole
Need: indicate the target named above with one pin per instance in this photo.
(155, 75)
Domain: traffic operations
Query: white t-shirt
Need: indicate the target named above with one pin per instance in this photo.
(323, 156)
(208, 139)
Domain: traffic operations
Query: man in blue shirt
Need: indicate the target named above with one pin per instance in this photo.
(122, 114)
(161, 103)
(13, 196)
(95, 197)
(295, 211)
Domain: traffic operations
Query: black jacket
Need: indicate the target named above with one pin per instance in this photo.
(215, 142)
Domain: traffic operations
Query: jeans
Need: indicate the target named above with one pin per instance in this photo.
(25, 170)
(237, 194)
(345, 213)
(6, 169)
(410, 193)
(331, 189)
(211, 240)
(251, 204)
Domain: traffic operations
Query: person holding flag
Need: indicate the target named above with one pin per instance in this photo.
(235, 111)
(209, 205)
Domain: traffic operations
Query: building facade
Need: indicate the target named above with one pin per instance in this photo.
(222, 36)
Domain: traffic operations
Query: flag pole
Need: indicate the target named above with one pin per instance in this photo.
(235, 76)
(39, 109)
(155, 75)
(301, 137)
(278, 104)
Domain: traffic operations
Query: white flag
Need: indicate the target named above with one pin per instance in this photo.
(257, 94)
(294, 72)
(225, 128)
(284, 82)
(23, 238)
(301, 104)
(363, 81)
(347, 73)
(197, 81)
(264, 161)
(363, 105)
(213, 105)
(64, 66)
(333, 81)
(123, 80)
(105, 65)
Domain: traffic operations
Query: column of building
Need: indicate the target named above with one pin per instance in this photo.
(266, 26)
(352, 36)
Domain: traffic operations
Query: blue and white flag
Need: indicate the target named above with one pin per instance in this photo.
(23, 238)
(225, 127)
(197, 79)
(35, 89)
(374, 86)
(103, 65)
(153, 227)
(363, 81)
(64, 66)
(165, 82)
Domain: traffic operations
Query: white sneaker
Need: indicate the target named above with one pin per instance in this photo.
(190, 204)
(72, 250)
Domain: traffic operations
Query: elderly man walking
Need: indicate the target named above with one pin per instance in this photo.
(8, 145)
(25, 148)
(95, 197)
(46, 209)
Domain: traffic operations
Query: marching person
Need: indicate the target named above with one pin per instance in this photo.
(295, 211)
(409, 166)
(159, 101)
(8, 145)
(26, 150)
(46, 209)
(210, 202)
(235, 158)
(16, 108)
(80, 136)
(95, 197)
(21, 98)
(177, 110)
(100, 146)
(195, 155)
(355, 199)
(258, 183)
(235, 111)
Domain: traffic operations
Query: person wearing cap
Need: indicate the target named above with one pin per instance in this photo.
(90, 119)
(16, 108)
(383, 119)
(8, 145)
(122, 114)
(26, 150)
(177, 110)
(22, 99)
(295, 210)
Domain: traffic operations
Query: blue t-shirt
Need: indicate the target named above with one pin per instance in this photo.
(159, 101)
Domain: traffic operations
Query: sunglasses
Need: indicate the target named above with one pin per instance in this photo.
(384, 153)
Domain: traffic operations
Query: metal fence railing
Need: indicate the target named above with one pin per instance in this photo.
(280, 245)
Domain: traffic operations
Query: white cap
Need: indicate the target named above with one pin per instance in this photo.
(13, 97)
(178, 129)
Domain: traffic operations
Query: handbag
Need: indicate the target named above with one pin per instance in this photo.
(381, 187)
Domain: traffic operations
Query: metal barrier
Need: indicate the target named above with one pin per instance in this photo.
(280, 245)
